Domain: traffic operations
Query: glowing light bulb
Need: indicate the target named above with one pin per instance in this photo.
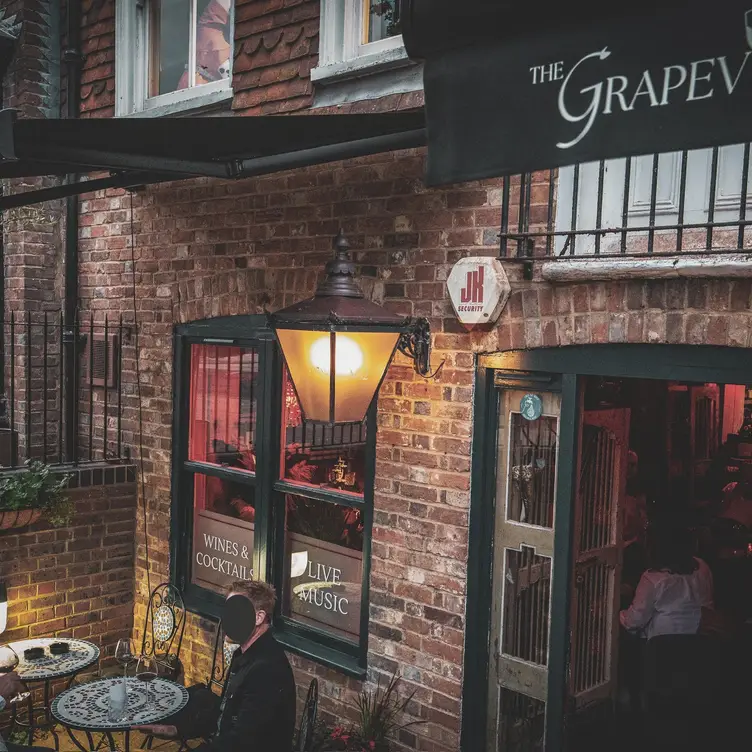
(348, 359)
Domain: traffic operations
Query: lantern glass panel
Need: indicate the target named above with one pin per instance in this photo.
(319, 455)
(360, 360)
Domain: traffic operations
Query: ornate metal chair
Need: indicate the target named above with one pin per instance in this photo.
(163, 629)
(223, 653)
(304, 742)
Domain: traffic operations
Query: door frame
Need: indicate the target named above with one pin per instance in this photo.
(698, 363)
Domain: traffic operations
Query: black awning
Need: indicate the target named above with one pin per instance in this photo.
(158, 149)
(511, 87)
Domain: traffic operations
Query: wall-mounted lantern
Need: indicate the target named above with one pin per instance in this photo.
(338, 345)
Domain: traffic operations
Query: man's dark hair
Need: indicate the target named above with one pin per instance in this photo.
(261, 594)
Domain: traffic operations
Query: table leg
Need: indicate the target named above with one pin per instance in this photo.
(127, 741)
(111, 742)
(31, 719)
(47, 701)
(12, 717)
(77, 743)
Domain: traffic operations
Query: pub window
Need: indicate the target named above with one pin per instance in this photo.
(259, 492)
(180, 54)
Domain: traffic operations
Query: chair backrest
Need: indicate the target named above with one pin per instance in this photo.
(223, 653)
(308, 718)
(164, 626)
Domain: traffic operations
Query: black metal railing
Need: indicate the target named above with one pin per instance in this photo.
(44, 415)
(685, 202)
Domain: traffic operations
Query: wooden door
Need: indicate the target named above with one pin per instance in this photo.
(602, 477)
(523, 556)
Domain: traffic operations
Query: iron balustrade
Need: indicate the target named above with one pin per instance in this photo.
(36, 349)
(694, 202)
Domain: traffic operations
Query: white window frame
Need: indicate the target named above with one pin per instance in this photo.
(131, 70)
(697, 196)
(343, 54)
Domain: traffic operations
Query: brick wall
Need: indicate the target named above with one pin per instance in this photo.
(208, 249)
(75, 581)
(98, 49)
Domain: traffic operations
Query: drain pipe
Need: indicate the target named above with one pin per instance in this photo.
(72, 59)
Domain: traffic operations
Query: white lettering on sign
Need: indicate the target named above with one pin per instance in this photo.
(479, 289)
(326, 581)
(325, 599)
(550, 72)
(224, 567)
(694, 81)
(222, 550)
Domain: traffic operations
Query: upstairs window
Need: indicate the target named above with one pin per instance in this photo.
(172, 55)
(359, 37)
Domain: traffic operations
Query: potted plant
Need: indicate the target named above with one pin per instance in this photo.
(379, 714)
(35, 492)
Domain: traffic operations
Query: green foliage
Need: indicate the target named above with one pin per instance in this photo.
(39, 488)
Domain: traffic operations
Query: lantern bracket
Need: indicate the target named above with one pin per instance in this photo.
(415, 343)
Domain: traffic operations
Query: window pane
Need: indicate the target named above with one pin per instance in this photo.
(382, 19)
(324, 556)
(173, 65)
(223, 525)
(222, 421)
(169, 38)
(213, 41)
(527, 598)
(320, 455)
(528, 451)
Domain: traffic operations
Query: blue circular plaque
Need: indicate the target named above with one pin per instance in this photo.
(531, 407)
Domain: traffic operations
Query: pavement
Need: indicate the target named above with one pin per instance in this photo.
(46, 740)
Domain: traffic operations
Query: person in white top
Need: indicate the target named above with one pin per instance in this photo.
(672, 594)
(10, 686)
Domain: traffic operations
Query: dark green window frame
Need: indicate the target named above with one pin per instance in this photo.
(252, 331)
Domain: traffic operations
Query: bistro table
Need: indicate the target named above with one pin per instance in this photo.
(86, 707)
(81, 654)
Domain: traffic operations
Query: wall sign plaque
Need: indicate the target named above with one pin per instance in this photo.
(531, 407)
(479, 289)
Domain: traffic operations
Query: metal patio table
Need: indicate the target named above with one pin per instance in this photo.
(81, 654)
(86, 708)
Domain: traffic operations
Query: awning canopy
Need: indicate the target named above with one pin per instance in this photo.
(518, 87)
(144, 150)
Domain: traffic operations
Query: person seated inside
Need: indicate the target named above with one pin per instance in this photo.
(670, 603)
(257, 709)
(11, 686)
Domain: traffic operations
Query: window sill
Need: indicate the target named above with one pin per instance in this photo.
(361, 66)
(313, 651)
(183, 103)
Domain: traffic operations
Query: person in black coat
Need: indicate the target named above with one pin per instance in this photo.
(257, 710)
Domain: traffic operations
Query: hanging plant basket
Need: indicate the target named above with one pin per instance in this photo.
(30, 494)
(10, 519)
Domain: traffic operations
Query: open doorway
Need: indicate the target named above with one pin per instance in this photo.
(657, 455)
